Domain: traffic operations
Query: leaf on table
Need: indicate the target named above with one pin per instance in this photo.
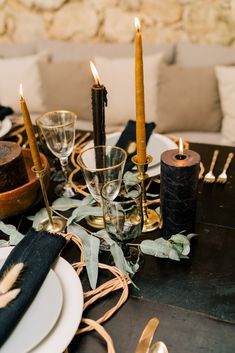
(152, 195)
(84, 211)
(191, 235)
(4, 243)
(162, 247)
(88, 200)
(158, 211)
(14, 235)
(131, 178)
(159, 248)
(65, 203)
(91, 246)
(39, 217)
(181, 241)
(117, 253)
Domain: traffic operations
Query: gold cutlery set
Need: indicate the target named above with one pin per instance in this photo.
(222, 178)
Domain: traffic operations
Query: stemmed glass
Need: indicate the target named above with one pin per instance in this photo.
(58, 129)
(123, 217)
(99, 165)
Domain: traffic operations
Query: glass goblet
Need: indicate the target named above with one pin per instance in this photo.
(99, 165)
(123, 217)
(58, 129)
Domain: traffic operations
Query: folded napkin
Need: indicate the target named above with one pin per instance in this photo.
(37, 251)
(128, 136)
(4, 111)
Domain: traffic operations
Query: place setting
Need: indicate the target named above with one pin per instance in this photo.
(116, 200)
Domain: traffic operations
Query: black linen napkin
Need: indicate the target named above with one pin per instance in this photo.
(4, 111)
(129, 135)
(37, 251)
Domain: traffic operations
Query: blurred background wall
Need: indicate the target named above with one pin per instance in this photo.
(198, 21)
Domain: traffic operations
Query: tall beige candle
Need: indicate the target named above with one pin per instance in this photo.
(139, 91)
(30, 133)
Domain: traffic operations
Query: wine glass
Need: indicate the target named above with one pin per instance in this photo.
(99, 165)
(123, 216)
(58, 129)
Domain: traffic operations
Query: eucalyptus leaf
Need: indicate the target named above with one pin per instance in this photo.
(146, 246)
(131, 178)
(152, 195)
(84, 211)
(180, 240)
(91, 246)
(173, 255)
(39, 217)
(158, 211)
(191, 235)
(4, 243)
(88, 200)
(14, 235)
(117, 253)
(132, 194)
(65, 203)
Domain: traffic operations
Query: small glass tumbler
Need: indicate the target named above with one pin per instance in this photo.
(123, 216)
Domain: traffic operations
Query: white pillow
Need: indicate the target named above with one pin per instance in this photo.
(25, 70)
(117, 75)
(226, 80)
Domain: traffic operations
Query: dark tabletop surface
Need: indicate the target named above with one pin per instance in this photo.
(194, 299)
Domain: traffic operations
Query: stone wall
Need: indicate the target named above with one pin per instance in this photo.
(201, 21)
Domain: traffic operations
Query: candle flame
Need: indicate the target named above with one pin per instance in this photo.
(95, 73)
(21, 90)
(137, 24)
(181, 147)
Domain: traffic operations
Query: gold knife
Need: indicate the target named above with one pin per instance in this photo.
(147, 336)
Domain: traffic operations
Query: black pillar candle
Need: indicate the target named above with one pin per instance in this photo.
(178, 191)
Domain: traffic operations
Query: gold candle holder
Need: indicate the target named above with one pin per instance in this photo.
(151, 219)
(52, 224)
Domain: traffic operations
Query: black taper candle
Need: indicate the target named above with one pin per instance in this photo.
(178, 191)
(99, 101)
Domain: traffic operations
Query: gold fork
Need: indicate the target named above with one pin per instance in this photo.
(209, 177)
(222, 178)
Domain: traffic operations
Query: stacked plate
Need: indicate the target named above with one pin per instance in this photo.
(156, 145)
(53, 317)
(5, 126)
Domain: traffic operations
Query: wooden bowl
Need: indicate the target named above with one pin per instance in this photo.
(18, 200)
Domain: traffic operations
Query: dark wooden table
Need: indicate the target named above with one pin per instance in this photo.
(194, 299)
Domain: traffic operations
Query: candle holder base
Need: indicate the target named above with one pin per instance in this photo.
(95, 221)
(151, 220)
(58, 224)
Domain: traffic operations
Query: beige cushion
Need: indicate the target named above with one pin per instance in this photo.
(226, 81)
(188, 99)
(25, 70)
(67, 85)
(188, 54)
(118, 77)
(65, 51)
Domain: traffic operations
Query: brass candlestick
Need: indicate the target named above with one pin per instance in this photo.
(150, 217)
(52, 224)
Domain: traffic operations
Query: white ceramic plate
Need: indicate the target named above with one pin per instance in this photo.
(63, 330)
(156, 145)
(5, 126)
